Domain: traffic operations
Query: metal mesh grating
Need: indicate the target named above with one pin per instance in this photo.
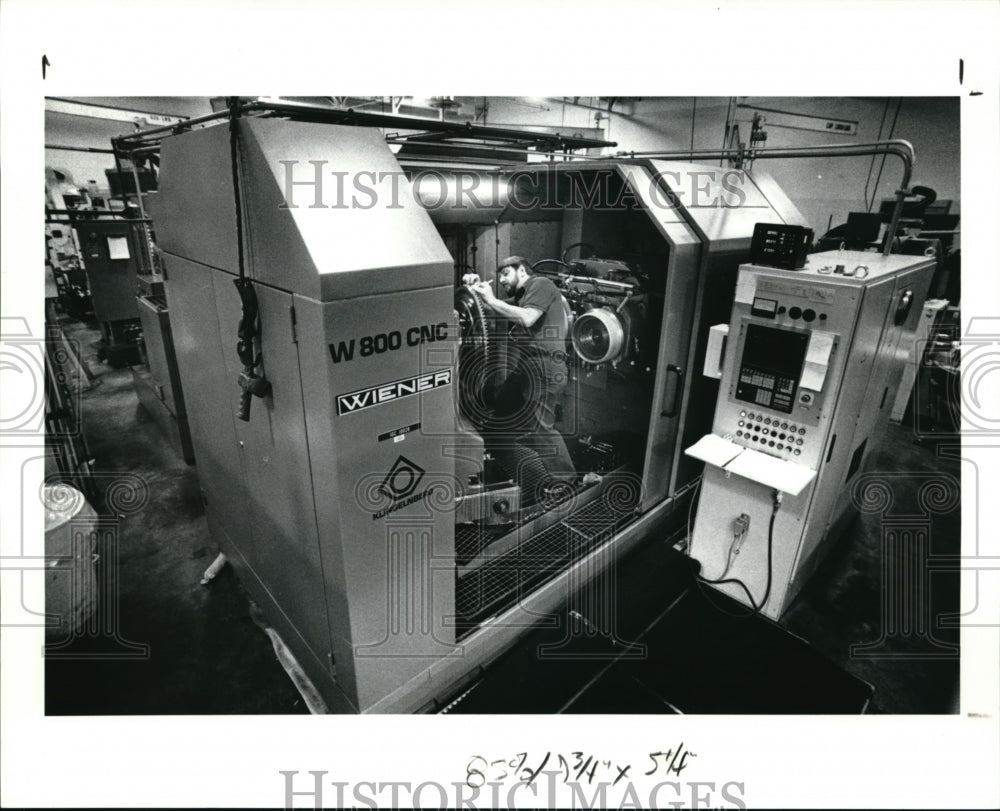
(597, 519)
(509, 576)
(471, 539)
(500, 583)
(468, 541)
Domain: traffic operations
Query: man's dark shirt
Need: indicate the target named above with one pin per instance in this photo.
(543, 344)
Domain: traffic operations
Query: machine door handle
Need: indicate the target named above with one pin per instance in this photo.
(904, 307)
(150, 304)
(675, 407)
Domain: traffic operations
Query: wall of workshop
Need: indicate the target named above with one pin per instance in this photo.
(76, 130)
(824, 189)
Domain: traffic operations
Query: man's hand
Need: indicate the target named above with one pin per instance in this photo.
(525, 316)
(485, 289)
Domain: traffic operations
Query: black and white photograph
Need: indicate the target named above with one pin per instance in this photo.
(500, 449)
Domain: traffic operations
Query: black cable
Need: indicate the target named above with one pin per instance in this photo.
(755, 607)
(234, 151)
(248, 348)
(770, 547)
(534, 267)
(698, 579)
(496, 252)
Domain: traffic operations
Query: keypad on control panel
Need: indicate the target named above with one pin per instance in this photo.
(771, 433)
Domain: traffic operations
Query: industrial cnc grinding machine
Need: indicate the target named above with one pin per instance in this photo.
(342, 467)
(811, 366)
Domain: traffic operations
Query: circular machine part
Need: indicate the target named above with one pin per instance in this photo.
(473, 356)
(472, 327)
(599, 336)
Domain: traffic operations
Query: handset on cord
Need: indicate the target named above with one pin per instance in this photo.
(251, 384)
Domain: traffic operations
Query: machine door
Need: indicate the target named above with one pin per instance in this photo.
(199, 346)
(677, 325)
(156, 336)
(673, 378)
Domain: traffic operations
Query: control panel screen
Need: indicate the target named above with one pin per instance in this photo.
(771, 366)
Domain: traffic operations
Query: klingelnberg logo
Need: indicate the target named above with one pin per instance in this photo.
(402, 479)
(399, 484)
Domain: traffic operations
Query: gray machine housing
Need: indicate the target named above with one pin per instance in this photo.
(810, 373)
(336, 502)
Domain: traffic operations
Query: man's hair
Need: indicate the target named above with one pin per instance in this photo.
(515, 262)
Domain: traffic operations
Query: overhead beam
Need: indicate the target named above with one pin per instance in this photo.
(88, 110)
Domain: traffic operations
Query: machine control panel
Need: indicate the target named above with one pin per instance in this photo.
(771, 366)
(858, 331)
(781, 363)
(775, 400)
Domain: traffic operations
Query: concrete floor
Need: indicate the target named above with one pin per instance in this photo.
(174, 646)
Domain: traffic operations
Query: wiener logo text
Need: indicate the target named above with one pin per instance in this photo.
(394, 390)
